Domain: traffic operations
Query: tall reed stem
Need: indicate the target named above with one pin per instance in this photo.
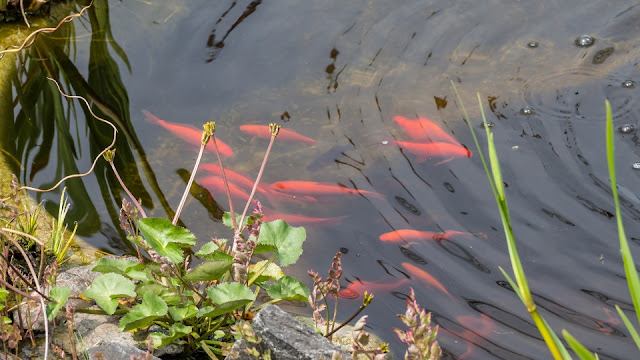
(207, 133)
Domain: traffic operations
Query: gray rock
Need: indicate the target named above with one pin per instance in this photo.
(103, 329)
(78, 279)
(287, 338)
(94, 329)
(115, 351)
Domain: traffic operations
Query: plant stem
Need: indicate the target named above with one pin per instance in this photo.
(226, 185)
(347, 321)
(186, 191)
(255, 184)
(41, 298)
(133, 199)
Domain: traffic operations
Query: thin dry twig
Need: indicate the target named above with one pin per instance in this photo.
(113, 142)
(40, 243)
(24, 15)
(109, 157)
(37, 284)
(32, 37)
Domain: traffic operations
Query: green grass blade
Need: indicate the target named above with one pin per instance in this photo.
(563, 350)
(539, 320)
(630, 327)
(578, 348)
(475, 140)
(512, 283)
(521, 286)
(629, 265)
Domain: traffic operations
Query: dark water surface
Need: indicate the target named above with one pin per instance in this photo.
(338, 72)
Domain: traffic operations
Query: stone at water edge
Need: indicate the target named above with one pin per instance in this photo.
(287, 338)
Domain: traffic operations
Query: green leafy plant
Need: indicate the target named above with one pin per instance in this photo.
(58, 244)
(197, 305)
(420, 337)
(520, 285)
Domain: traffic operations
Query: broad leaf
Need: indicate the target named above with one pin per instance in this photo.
(176, 331)
(118, 266)
(59, 294)
(165, 238)
(139, 272)
(286, 239)
(263, 248)
(228, 297)
(222, 309)
(142, 315)
(167, 295)
(3, 295)
(271, 272)
(210, 270)
(207, 249)
(227, 292)
(106, 290)
(226, 219)
(288, 288)
(182, 313)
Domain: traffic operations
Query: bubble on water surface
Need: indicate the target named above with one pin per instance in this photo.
(385, 142)
(571, 94)
(636, 165)
(585, 40)
(490, 124)
(628, 84)
(527, 110)
(626, 128)
(533, 44)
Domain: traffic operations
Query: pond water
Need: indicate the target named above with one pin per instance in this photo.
(339, 72)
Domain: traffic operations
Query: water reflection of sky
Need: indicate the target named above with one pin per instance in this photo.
(339, 71)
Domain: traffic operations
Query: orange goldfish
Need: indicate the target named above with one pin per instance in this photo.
(316, 188)
(293, 219)
(232, 176)
(354, 289)
(215, 184)
(247, 184)
(425, 151)
(407, 234)
(475, 330)
(424, 129)
(425, 277)
(284, 134)
(188, 133)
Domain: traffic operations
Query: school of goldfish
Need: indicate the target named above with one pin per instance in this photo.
(428, 141)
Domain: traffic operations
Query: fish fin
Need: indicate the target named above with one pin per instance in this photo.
(409, 244)
(443, 161)
(151, 118)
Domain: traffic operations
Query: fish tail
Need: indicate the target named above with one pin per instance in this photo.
(152, 118)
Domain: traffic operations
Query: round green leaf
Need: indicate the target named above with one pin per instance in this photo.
(165, 238)
(107, 288)
(151, 308)
(286, 239)
(288, 288)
